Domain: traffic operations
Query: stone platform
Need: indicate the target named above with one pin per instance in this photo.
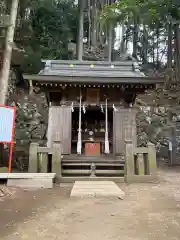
(96, 189)
(29, 180)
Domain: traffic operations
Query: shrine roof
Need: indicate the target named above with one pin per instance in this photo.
(61, 71)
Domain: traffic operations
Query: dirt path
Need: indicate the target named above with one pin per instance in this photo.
(148, 212)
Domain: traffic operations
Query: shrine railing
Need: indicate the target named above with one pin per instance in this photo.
(44, 159)
(140, 163)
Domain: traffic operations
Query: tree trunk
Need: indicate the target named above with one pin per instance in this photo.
(177, 51)
(122, 43)
(153, 51)
(110, 42)
(89, 20)
(145, 45)
(169, 61)
(94, 25)
(135, 37)
(4, 77)
(80, 30)
(157, 47)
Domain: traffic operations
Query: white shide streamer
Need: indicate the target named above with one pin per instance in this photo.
(114, 108)
(102, 110)
(72, 107)
(84, 109)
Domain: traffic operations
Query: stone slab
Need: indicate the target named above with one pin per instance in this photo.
(31, 183)
(96, 189)
(27, 175)
(141, 179)
(29, 180)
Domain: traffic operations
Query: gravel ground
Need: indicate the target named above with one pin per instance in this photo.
(148, 212)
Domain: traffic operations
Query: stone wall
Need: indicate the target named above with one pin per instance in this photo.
(32, 121)
(31, 124)
(153, 125)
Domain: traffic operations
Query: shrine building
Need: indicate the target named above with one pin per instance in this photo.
(91, 110)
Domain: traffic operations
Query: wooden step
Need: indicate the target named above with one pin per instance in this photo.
(92, 161)
(97, 158)
(88, 171)
(106, 164)
(73, 179)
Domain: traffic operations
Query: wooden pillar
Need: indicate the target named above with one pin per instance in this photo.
(106, 131)
(33, 158)
(79, 143)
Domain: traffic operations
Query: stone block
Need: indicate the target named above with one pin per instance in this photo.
(29, 180)
(96, 189)
(30, 183)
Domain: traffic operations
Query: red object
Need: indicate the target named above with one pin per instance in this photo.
(12, 138)
(92, 148)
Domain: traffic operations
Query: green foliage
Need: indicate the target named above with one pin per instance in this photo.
(149, 11)
(52, 25)
(152, 15)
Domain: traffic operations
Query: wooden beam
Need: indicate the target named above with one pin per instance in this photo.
(93, 79)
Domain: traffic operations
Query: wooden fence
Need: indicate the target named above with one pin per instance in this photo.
(140, 163)
(43, 158)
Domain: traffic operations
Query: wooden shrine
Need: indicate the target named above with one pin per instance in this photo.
(91, 110)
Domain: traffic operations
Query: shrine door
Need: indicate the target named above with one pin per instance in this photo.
(59, 127)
